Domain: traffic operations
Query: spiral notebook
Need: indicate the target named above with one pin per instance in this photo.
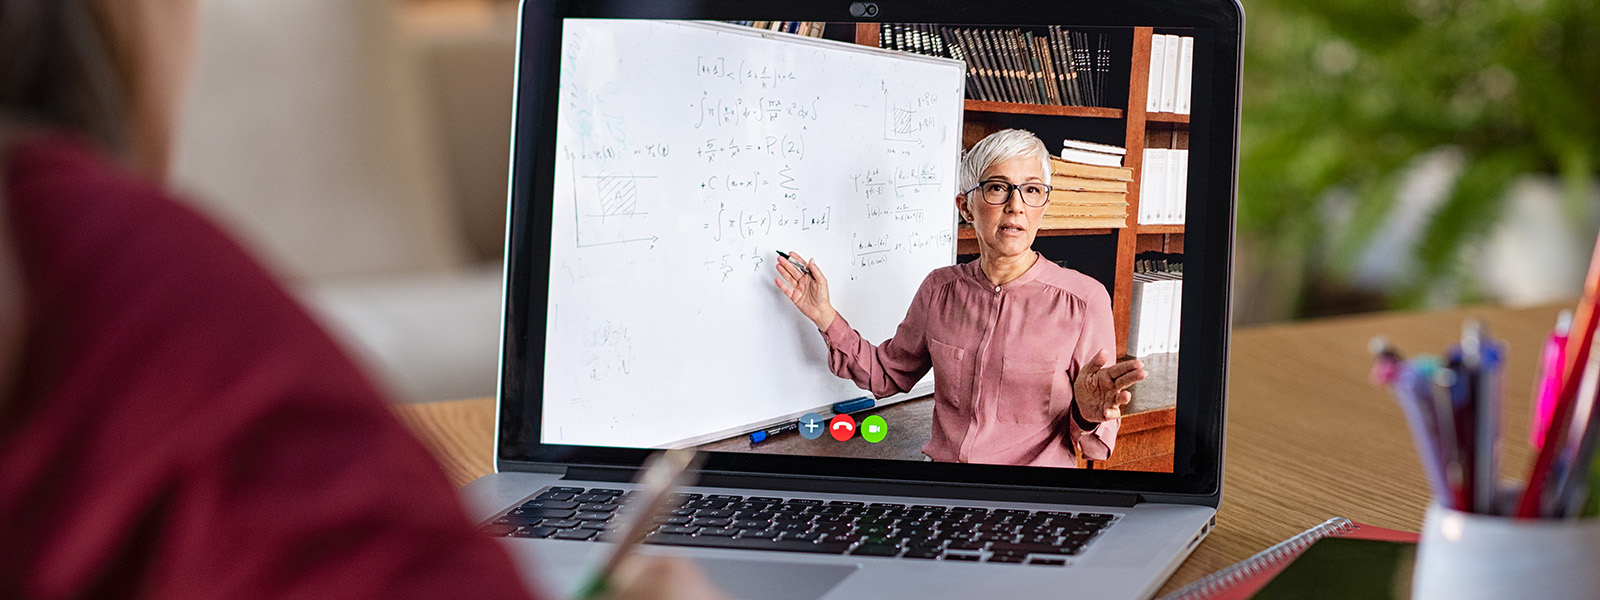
(1245, 578)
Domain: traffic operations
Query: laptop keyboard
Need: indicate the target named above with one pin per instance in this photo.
(926, 532)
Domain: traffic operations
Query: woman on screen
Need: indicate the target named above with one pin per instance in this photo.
(1021, 349)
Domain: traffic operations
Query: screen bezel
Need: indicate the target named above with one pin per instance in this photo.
(1208, 245)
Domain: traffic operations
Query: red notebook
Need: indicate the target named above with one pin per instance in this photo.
(1245, 578)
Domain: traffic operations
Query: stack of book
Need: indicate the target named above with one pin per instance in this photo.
(1171, 74)
(1164, 186)
(1053, 66)
(1090, 187)
(1153, 322)
(805, 28)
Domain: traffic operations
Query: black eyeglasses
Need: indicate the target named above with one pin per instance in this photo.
(998, 191)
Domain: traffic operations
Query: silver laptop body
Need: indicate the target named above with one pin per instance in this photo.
(1146, 523)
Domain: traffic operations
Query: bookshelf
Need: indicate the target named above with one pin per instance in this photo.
(1139, 129)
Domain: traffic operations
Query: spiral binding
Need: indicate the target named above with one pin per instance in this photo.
(1274, 556)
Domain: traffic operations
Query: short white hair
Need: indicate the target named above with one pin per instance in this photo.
(997, 148)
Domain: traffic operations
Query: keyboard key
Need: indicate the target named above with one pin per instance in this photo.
(1006, 558)
(726, 497)
(574, 534)
(593, 516)
(676, 520)
(499, 529)
(887, 505)
(541, 513)
(679, 530)
(763, 499)
(925, 553)
(759, 533)
(594, 507)
(534, 532)
(555, 496)
(962, 557)
(719, 532)
(751, 523)
(712, 522)
(592, 497)
(595, 525)
(715, 514)
(569, 490)
(876, 550)
(748, 543)
(560, 523)
(845, 503)
(1014, 548)
(606, 491)
(1045, 560)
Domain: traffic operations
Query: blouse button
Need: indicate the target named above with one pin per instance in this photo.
(997, 289)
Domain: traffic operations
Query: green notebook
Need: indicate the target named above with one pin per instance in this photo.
(1346, 569)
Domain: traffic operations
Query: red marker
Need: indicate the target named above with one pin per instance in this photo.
(842, 427)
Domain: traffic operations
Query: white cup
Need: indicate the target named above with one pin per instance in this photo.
(1465, 555)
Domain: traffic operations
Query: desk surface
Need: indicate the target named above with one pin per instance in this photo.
(1308, 438)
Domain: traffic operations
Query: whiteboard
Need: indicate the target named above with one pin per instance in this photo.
(687, 154)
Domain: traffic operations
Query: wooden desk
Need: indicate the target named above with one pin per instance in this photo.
(1308, 437)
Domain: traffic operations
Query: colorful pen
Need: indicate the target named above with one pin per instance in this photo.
(1548, 386)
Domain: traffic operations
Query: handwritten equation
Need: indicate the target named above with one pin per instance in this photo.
(871, 251)
(733, 223)
(789, 147)
(767, 77)
(716, 111)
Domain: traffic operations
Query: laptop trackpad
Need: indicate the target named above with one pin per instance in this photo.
(773, 580)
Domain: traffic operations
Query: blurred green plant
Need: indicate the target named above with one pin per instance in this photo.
(1341, 96)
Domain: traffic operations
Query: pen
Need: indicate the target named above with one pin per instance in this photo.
(1548, 386)
(761, 436)
(663, 473)
(1533, 497)
(797, 264)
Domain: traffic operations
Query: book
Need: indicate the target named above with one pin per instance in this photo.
(1072, 169)
(1091, 158)
(1066, 183)
(1169, 75)
(1067, 209)
(1245, 578)
(1090, 198)
(1152, 185)
(1082, 222)
(1185, 75)
(1093, 147)
(1158, 52)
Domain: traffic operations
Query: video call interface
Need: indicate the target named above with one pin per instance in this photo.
(886, 241)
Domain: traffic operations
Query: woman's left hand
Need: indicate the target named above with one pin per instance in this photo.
(1100, 391)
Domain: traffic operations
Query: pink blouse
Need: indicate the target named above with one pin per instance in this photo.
(1003, 359)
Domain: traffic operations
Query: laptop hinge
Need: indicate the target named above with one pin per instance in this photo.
(844, 485)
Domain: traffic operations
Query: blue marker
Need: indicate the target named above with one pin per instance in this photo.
(849, 406)
(761, 436)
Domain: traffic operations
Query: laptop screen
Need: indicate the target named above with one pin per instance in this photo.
(911, 242)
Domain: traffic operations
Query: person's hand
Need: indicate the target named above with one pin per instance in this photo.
(1100, 391)
(662, 578)
(809, 293)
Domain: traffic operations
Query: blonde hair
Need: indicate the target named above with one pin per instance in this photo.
(997, 148)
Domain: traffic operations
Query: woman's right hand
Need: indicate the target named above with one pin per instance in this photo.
(809, 293)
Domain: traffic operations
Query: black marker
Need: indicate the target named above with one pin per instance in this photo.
(796, 263)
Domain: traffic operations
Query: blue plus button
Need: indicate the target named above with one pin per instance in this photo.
(812, 425)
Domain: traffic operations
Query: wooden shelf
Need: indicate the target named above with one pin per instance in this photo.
(1044, 109)
(1160, 229)
(1166, 118)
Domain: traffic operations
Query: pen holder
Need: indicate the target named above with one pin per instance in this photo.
(1467, 555)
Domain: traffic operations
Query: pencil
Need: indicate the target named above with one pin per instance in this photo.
(663, 473)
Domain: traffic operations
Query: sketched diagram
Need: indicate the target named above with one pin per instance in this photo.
(613, 208)
(904, 120)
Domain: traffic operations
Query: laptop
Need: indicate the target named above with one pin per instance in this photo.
(664, 153)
